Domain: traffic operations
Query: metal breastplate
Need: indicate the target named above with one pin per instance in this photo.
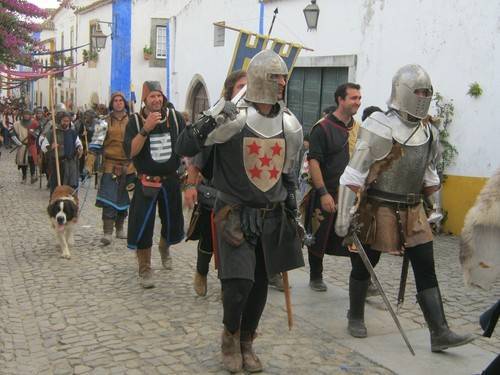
(266, 127)
(405, 175)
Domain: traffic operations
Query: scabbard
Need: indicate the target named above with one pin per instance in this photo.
(404, 268)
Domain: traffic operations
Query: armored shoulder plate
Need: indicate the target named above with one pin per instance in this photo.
(374, 142)
(378, 124)
(294, 138)
(225, 131)
(404, 133)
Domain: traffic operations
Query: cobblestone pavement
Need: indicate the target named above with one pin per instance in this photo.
(88, 314)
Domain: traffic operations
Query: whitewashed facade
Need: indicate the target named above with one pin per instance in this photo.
(457, 42)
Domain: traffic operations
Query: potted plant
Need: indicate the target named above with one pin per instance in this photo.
(68, 60)
(93, 55)
(89, 55)
(148, 52)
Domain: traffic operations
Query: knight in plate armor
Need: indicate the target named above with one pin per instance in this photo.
(256, 141)
(391, 170)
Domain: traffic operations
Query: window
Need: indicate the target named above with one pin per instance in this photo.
(158, 42)
(161, 42)
(310, 90)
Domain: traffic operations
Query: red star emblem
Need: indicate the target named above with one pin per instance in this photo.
(265, 160)
(253, 148)
(273, 173)
(255, 172)
(276, 149)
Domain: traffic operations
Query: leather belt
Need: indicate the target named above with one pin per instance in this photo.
(410, 199)
(231, 199)
(152, 178)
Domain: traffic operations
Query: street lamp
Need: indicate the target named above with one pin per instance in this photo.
(311, 12)
(98, 39)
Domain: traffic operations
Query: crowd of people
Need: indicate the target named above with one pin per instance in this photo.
(246, 161)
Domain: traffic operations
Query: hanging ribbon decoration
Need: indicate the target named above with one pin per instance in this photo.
(59, 51)
(15, 75)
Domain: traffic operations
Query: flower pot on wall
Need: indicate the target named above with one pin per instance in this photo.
(147, 56)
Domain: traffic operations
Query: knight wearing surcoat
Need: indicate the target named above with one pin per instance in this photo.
(256, 141)
(392, 169)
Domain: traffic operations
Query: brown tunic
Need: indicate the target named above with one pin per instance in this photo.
(115, 159)
(380, 228)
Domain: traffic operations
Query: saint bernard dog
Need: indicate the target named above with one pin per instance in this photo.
(63, 214)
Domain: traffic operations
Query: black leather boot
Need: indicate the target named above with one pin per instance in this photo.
(441, 336)
(356, 313)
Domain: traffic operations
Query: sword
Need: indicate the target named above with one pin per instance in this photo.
(370, 269)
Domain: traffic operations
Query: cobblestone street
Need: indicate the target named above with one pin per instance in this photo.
(89, 315)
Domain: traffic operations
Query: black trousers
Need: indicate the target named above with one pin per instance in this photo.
(421, 259)
(493, 368)
(244, 300)
(142, 214)
(205, 248)
(315, 266)
(24, 168)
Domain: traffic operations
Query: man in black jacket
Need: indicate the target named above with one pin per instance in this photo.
(148, 141)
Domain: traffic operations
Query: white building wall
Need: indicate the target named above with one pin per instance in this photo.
(455, 41)
(142, 13)
(94, 79)
(64, 19)
(42, 85)
(194, 52)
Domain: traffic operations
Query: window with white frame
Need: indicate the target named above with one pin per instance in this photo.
(161, 42)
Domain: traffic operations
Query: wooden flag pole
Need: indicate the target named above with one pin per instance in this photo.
(221, 24)
(288, 299)
(54, 133)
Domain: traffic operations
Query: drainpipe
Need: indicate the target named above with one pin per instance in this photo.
(261, 17)
(167, 61)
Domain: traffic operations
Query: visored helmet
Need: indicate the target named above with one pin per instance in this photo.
(262, 86)
(404, 98)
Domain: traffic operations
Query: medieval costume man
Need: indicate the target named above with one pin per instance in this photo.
(118, 171)
(69, 151)
(394, 162)
(255, 143)
(149, 137)
(329, 151)
(24, 134)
